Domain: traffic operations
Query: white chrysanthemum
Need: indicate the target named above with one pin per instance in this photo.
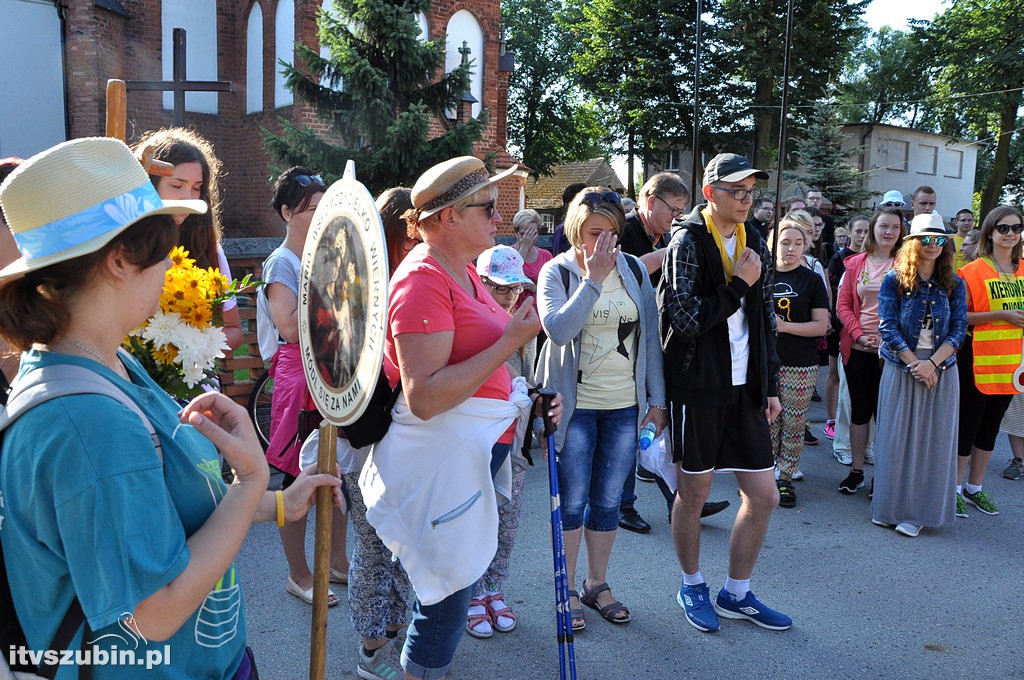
(163, 328)
(198, 351)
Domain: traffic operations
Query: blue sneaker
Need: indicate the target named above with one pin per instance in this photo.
(696, 602)
(751, 609)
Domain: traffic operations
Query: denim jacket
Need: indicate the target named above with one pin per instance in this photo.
(902, 315)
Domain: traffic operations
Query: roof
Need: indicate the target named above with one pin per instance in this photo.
(962, 140)
(546, 192)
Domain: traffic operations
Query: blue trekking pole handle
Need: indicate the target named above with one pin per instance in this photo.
(563, 616)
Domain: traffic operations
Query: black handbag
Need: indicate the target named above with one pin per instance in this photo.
(376, 419)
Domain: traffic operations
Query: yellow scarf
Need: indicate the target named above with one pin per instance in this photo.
(741, 241)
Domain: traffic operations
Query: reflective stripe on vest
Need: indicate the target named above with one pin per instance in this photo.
(997, 344)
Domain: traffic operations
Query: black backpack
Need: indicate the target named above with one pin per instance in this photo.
(41, 385)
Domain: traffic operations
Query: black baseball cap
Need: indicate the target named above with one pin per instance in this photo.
(730, 167)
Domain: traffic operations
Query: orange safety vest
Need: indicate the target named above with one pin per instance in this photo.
(997, 344)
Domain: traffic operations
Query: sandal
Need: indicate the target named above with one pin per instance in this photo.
(578, 623)
(474, 620)
(609, 611)
(307, 595)
(495, 613)
(339, 577)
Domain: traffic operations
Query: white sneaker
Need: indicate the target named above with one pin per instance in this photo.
(844, 457)
(869, 458)
(797, 476)
(908, 529)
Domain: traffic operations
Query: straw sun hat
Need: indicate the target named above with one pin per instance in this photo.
(447, 183)
(73, 198)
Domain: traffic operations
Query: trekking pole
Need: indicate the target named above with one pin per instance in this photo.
(563, 618)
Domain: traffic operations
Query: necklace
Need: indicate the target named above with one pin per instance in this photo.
(1001, 271)
(85, 348)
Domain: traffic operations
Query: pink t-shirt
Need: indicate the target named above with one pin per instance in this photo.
(426, 299)
(868, 285)
(532, 271)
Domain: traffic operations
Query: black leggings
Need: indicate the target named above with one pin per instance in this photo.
(980, 414)
(863, 375)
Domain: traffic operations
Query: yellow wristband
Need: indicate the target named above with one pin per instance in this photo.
(280, 507)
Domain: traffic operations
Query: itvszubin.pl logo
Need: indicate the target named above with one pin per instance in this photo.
(150, 657)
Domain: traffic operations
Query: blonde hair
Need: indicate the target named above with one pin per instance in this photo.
(788, 222)
(578, 212)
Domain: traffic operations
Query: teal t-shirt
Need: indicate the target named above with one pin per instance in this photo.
(88, 508)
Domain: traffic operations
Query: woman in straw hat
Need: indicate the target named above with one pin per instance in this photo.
(143, 537)
(431, 484)
(922, 318)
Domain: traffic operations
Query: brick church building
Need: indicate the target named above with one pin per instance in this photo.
(58, 56)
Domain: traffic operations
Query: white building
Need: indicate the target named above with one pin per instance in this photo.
(898, 158)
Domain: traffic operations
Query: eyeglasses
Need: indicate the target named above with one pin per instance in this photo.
(411, 242)
(505, 290)
(676, 212)
(892, 204)
(740, 194)
(1007, 228)
(488, 206)
(305, 180)
(940, 241)
(594, 198)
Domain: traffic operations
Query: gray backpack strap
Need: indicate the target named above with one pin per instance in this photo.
(59, 380)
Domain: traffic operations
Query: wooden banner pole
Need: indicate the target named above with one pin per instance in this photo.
(326, 455)
(117, 109)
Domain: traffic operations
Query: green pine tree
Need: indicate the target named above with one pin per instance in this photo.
(378, 92)
(824, 165)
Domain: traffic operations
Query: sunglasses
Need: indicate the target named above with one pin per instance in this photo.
(488, 206)
(676, 212)
(940, 241)
(505, 290)
(305, 180)
(892, 204)
(740, 194)
(595, 198)
(1007, 228)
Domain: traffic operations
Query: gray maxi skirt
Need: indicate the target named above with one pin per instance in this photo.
(915, 448)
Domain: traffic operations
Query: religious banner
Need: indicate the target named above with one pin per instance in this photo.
(343, 300)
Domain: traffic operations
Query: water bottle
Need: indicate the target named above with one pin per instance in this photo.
(647, 436)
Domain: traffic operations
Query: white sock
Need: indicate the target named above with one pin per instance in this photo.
(738, 588)
(484, 626)
(499, 606)
(959, 489)
(693, 579)
(971, 489)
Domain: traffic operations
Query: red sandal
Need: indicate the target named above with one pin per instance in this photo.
(495, 613)
(474, 620)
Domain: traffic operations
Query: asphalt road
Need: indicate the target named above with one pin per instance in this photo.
(866, 602)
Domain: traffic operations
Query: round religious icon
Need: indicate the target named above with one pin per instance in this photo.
(343, 301)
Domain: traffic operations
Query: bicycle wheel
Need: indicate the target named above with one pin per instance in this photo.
(259, 407)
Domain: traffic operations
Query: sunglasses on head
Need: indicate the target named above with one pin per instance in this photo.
(940, 241)
(305, 180)
(594, 198)
(892, 204)
(488, 206)
(1007, 228)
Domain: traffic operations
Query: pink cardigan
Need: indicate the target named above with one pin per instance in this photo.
(848, 304)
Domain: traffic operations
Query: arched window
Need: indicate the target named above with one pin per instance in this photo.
(284, 49)
(421, 19)
(199, 19)
(463, 28)
(254, 60)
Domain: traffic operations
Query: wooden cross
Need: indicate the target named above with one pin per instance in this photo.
(179, 83)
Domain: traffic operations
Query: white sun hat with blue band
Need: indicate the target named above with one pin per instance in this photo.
(73, 198)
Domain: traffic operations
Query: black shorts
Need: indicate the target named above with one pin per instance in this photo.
(730, 438)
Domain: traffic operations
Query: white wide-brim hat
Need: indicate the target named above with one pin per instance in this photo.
(447, 183)
(929, 224)
(73, 198)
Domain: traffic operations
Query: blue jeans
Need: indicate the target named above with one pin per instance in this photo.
(436, 629)
(599, 453)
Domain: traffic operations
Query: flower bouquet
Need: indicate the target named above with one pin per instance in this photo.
(179, 345)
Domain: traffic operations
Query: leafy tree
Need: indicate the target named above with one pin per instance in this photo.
(753, 31)
(631, 59)
(976, 48)
(378, 94)
(885, 79)
(824, 164)
(547, 120)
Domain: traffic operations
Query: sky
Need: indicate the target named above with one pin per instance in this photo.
(896, 12)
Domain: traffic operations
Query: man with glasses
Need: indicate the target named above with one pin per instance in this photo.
(763, 217)
(721, 368)
(964, 222)
(663, 198)
(828, 231)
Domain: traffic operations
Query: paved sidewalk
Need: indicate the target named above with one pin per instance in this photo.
(866, 602)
